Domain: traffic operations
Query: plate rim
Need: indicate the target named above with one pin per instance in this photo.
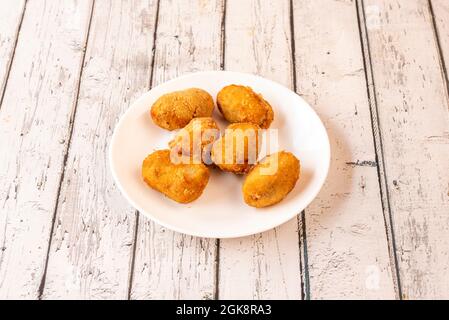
(211, 235)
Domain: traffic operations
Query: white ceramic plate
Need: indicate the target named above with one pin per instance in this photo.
(220, 212)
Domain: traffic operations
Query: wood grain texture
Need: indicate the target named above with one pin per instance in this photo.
(347, 245)
(11, 15)
(383, 208)
(92, 244)
(169, 264)
(34, 125)
(414, 121)
(266, 265)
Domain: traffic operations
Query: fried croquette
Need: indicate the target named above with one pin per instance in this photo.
(196, 139)
(271, 179)
(182, 183)
(237, 150)
(175, 110)
(241, 104)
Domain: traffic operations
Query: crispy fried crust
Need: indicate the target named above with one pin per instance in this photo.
(175, 110)
(242, 104)
(182, 183)
(196, 139)
(238, 149)
(262, 189)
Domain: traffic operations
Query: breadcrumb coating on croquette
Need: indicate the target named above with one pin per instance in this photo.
(241, 104)
(264, 187)
(176, 109)
(237, 150)
(196, 139)
(182, 183)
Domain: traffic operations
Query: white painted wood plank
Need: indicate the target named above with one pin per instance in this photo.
(414, 123)
(266, 265)
(346, 239)
(92, 245)
(11, 14)
(34, 126)
(169, 264)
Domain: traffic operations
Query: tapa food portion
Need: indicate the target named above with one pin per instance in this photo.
(271, 180)
(181, 182)
(196, 139)
(241, 104)
(237, 150)
(176, 109)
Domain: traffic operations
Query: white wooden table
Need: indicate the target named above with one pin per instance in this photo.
(374, 70)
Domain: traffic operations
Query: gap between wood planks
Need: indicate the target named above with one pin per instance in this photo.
(136, 228)
(379, 152)
(301, 218)
(441, 60)
(9, 63)
(66, 151)
(222, 67)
